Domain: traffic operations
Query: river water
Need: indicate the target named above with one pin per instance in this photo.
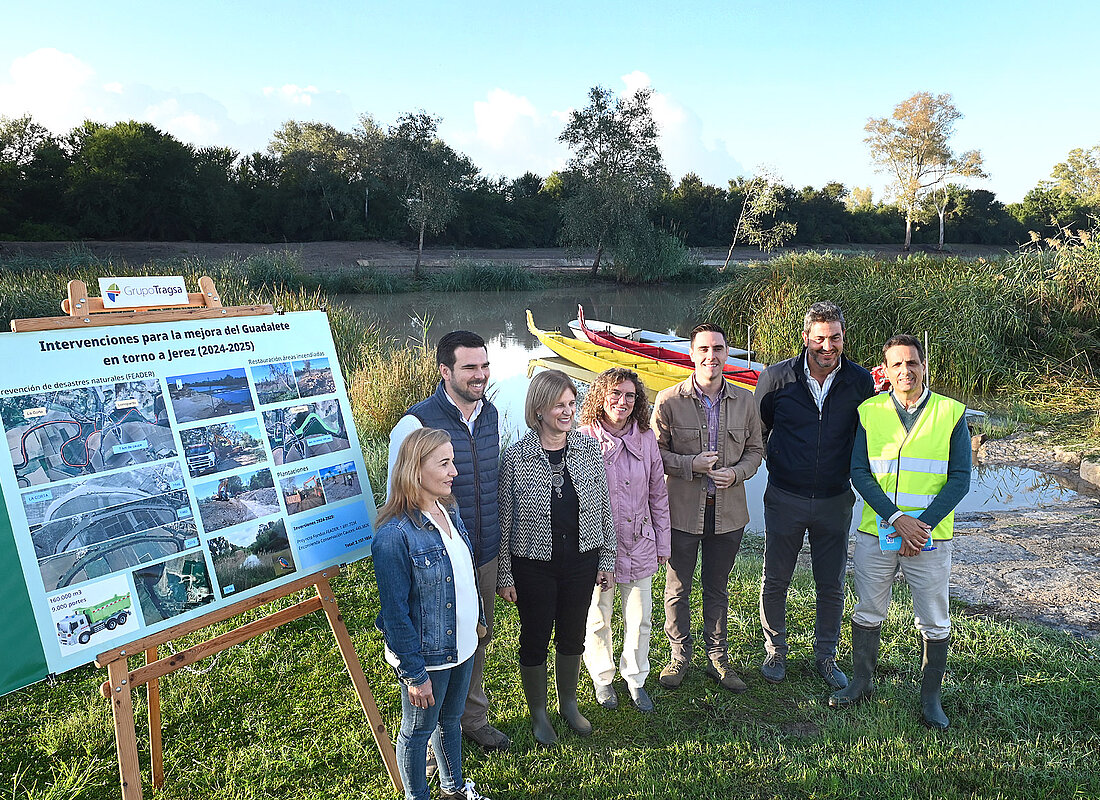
(500, 318)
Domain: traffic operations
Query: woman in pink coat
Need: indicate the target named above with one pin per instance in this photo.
(616, 414)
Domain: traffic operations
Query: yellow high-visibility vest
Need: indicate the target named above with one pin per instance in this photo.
(911, 467)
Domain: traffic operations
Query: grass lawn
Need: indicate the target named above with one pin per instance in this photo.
(276, 718)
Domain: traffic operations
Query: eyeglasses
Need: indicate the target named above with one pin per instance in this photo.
(615, 395)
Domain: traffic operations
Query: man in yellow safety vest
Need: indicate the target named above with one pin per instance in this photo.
(911, 464)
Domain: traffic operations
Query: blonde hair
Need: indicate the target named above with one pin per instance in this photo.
(545, 389)
(592, 411)
(405, 489)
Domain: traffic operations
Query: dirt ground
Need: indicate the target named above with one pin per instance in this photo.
(322, 257)
(1040, 563)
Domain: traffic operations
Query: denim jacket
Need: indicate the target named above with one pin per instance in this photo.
(417, 594)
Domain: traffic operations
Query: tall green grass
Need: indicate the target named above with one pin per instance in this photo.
(992, 324)
(484, 276)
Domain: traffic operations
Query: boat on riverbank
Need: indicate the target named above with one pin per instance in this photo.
(656, 375)
(747, 375)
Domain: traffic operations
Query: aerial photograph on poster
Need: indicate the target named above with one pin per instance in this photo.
(206, 395)
(340, 481)
(236, 499)
(104, 552)
(90, 615)
(314, 377)
(223, 446)
(251, 556)
(55, 436)
(302, 431)
(302, 492)
(173, 587)
(274, 383)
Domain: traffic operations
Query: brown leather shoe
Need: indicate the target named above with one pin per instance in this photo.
(721, 671)
(673, 675)
(488, 738)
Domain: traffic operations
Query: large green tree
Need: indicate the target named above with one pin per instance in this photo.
(428, 174)
(913, 146)
(129, 179)
(1079, 175)
(617, 170)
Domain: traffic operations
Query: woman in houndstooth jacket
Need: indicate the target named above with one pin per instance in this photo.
(556, 542)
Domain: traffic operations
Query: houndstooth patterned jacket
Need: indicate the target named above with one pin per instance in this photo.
(525, 502)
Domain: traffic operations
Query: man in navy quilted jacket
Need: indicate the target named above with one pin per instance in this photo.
(460, 407)
(808, 412)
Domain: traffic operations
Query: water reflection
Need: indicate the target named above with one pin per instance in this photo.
(499, 317)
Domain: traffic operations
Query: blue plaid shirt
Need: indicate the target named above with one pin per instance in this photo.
(713, 409)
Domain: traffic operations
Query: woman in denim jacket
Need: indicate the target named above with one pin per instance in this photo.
(616, 414)
(431, 615)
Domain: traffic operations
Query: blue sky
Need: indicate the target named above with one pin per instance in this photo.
(738, 84)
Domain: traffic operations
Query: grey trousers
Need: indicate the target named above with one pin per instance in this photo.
(476, 714)
(719, 552)
(788, 519)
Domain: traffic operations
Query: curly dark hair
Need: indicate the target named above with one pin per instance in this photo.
(592, 410)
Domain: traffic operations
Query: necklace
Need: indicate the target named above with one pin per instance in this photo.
(557, 474)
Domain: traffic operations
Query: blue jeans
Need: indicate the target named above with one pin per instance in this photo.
(442, 723)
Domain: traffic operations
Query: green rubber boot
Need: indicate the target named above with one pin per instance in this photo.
(865, 644)
(933, 665)
(566, 674)
(534, 689)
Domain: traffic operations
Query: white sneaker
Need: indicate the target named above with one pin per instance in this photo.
(467, 792)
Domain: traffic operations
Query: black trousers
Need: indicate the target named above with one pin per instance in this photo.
(553, 596)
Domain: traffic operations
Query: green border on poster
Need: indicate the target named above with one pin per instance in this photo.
(19, 638)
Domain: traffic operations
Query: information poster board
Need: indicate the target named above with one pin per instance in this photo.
(154, 472)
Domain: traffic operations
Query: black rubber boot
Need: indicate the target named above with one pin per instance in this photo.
(534, 681)
(933, 665)
(567, 670)
(865, 644)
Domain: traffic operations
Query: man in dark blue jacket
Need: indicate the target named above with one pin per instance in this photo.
(459, 406)
(808, 410)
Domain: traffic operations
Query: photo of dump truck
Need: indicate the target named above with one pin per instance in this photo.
(83, 622)
(223, 446)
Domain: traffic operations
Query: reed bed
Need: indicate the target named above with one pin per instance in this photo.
(992, 325)
(484, 276)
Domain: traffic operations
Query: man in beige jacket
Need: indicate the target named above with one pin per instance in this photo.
(709, 434)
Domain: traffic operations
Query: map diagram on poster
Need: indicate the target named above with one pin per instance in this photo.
(223, 465)
(58, 435)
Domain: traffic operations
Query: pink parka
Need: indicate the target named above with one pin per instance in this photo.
(639, 499)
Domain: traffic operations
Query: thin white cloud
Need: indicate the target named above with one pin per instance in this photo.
(510, 136)
(683, 142)
(52, 86)
(60, 91)
(293, 94)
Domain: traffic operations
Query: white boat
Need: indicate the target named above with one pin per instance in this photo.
(667, 340)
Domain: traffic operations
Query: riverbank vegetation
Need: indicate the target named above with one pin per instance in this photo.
(1018, 335)
(276, 717)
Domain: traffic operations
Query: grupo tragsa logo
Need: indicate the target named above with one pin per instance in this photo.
(113, 292)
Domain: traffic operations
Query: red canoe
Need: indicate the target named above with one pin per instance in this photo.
(657, 353)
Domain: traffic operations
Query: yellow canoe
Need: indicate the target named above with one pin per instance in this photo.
(656, 375)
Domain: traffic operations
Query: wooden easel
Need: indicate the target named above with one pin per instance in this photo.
(81, 312)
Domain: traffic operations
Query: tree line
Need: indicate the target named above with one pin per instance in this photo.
(130, 180)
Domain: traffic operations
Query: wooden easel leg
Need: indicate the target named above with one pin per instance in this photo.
(122, 708)
(156, 747)
(359, 681)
